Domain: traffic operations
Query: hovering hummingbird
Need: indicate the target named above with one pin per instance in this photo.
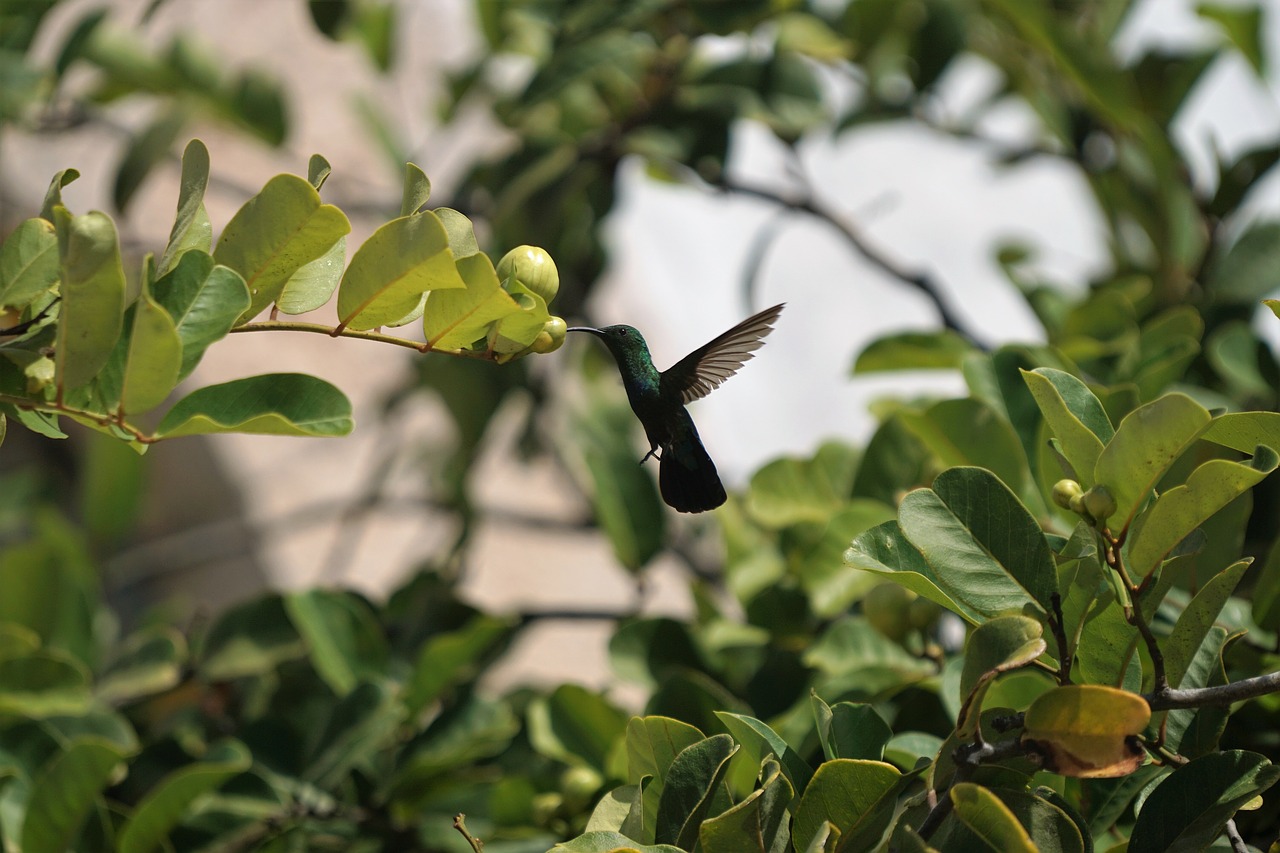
(686, 475)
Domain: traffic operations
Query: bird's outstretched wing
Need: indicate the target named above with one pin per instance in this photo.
(703, 370)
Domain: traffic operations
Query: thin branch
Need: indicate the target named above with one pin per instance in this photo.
(969, 757)
(1134, 613)
(921, 281)
(1171, 699)
(57, 407)
(342, 332)
(1233, 835)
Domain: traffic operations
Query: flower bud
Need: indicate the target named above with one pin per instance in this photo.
(532, 267)
(1064, 491)
(551, 338)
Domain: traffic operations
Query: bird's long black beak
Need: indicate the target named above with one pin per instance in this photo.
(587, 329)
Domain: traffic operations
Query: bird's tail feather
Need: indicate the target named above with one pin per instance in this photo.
(686, 475)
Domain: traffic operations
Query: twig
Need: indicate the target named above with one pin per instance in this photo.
(460, 824)
(969, 757)
(1170, 699)
(1134, 614)
(921, 281)
(1056, 624)
(99, 418)
(1233, 835)
(343, 332)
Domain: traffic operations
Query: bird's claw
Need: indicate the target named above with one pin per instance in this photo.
(653, 451)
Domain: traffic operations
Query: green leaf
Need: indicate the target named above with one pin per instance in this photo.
(857, 797)
(970, 432)
(458, 318)
(150, 662)
(452, 657)
(251, 639)
(576, 726)
(759, 741)
(51, 587)
(204, 301)
(653, 742)
(1233, 350)
(92, 288)
(191, 227)
(402, 260)
(28, 263)
(996, 646)
(1247, 271)
(277, 232)
(341, 634)
(619, 810)
(258, 102)
(515, 332)
(155, 356)
(885, 551)
(825, 576)
(314, 283)
(462, 235)
(272, 404)
(990, 820)
(849, 730)
(1188, 810)
(53, 196)
(758, 824)
(609, 842)
(1149, 440)
(318, 171)
(648, 651)
(64, 792)
(1243, 27)
(795, 491)
(1180, 510)
(982, 544)
(47, 683)
(417, 189)
(943, 350)
(173, 797)
(1074, 415)
(1189, 632)
(693, 782)
(1244, 431)
(361, 726)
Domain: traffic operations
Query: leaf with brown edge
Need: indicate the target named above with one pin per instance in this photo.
(1087, 731)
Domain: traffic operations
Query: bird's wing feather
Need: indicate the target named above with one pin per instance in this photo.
(703, 370)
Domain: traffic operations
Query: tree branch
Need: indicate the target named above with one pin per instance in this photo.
(921, 281)
(1170, 699)
(969, 757)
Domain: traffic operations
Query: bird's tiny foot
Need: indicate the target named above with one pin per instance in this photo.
(652, 452)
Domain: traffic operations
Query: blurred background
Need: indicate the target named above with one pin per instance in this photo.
(881, 168)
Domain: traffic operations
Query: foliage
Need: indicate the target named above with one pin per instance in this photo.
(1026, 617)
(76, 349)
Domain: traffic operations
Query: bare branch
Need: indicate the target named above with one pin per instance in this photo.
(1225, 694)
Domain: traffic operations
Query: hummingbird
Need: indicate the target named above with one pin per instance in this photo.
(687, 477)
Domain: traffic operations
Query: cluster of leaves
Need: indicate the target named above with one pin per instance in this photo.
(313, 720)
(79, 345)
